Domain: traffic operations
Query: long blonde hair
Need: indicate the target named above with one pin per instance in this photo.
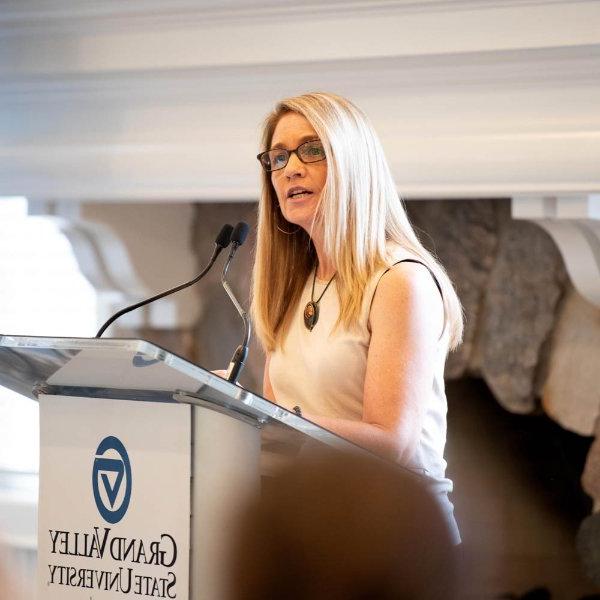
(359, 212)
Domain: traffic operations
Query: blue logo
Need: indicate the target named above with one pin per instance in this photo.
(111, 467)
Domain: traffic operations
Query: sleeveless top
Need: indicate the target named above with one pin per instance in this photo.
(323, 371)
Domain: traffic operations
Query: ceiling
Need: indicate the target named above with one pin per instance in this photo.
(146, 100)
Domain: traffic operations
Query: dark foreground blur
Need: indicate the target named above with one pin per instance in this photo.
(333, 527)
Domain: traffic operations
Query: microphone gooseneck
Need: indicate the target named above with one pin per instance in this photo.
(222, 241)
(238, 360)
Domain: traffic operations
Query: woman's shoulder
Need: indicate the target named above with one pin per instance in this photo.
(395, 253)
(411, 285)
(407, 299)
(408, 272)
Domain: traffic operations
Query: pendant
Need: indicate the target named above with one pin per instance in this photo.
(311, 315)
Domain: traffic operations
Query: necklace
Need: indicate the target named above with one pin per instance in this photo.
(311, 310)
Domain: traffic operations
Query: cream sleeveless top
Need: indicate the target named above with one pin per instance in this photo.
(323, 372)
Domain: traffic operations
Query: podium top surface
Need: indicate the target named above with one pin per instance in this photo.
(132, 369)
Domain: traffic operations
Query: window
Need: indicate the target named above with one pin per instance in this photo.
(42, 292)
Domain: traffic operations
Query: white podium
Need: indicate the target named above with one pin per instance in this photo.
(144, 460)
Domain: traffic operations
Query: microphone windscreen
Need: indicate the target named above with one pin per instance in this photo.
(224, 237)
(240, 232)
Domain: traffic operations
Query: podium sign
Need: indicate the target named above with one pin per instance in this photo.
(114, 501)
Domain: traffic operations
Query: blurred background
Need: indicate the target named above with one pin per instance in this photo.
(128, 135)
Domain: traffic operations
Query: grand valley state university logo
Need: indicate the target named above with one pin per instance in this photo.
(120, 565)
(111, 479)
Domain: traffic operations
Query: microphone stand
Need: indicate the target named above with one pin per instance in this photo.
(238, 360)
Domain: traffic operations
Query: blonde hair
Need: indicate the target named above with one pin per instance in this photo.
(359, 212)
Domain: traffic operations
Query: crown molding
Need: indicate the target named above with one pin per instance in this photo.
(20, 16)
(344, 35)
(493, 70)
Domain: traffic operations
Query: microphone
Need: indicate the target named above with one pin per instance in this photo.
(223, 240)
(238, 360)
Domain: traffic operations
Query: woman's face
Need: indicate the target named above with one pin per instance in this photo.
(308, 178)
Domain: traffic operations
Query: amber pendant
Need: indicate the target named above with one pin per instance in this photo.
(311, 315)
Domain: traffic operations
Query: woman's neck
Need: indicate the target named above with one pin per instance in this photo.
(325, 266)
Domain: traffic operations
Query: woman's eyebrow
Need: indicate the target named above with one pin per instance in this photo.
(304, 138)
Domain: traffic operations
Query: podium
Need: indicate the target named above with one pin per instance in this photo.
(144, 460)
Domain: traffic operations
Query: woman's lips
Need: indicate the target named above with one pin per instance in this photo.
(299, 196)
(297, 189)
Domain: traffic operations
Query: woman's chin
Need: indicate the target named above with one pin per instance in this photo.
(300, 213)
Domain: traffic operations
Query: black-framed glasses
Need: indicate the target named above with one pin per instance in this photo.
(308, 152)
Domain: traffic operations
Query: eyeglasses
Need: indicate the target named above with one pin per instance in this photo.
(308, 152)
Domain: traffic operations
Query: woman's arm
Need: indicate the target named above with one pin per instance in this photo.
(406, 321)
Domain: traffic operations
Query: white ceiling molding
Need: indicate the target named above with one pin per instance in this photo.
(279, 39)
(531, 68)
(149, 100)
(97, 15)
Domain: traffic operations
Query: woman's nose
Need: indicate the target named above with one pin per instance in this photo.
(294, 167)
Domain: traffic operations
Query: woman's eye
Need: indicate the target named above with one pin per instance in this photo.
(314, 151)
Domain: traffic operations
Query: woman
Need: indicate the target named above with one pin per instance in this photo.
(355, 316)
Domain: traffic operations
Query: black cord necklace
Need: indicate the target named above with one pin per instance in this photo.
(311, 310)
